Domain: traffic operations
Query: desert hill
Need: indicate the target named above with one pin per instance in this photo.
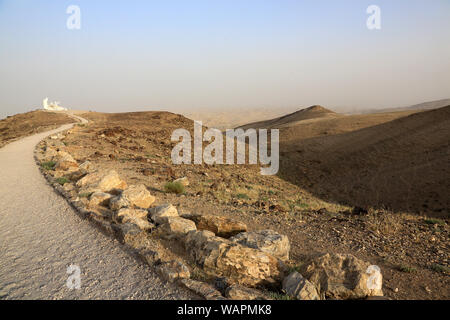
(25, 124)
(313, 112)
(401, 164)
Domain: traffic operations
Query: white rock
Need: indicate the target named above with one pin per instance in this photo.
(266, 240)
(158, 214)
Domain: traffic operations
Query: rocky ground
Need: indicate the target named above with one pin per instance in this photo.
(26, 124)
(41, 235)
(412, 251)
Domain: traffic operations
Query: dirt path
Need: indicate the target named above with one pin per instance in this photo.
(41, 235)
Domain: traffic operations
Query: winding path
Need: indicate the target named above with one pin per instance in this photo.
(41, 235)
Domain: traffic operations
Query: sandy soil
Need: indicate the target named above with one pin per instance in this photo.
(41, 235)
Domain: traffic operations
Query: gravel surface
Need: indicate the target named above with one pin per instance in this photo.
(41, 236)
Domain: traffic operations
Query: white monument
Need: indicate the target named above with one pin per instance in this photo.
(53, 106)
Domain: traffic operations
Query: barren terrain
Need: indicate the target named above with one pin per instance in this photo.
(411, 249)
(396, 161)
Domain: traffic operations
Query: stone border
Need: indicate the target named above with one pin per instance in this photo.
(202, 289)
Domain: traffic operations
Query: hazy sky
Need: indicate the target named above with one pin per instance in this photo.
(146, 55)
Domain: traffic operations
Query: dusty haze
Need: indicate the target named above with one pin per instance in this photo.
(217, 55)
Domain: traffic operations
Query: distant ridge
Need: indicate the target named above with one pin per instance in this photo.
(312, 112)
(429, 105)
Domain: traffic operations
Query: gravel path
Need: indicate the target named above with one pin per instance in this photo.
(41, 235)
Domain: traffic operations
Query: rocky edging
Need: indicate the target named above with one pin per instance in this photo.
(244, 265)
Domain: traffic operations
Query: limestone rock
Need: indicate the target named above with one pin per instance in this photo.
(110, 182)
(131, 235)
(134, 216)
(298, 287)
(65, 162)
(158, 214)
(183, 181)
(100, 212)
(266, 240)
(127, 214)
(238, 292)
(69, 187)
(118, 202)
(75, 174)
(86, 166)
(203, 289)
(99, 199)
(343, 276)
(221, 226)
(242, 265)
(90, 179)
(150, 256)
(173, 270)
(143, 224)
(50, 154)
(138, 196)
(65, 156)
(175, 227)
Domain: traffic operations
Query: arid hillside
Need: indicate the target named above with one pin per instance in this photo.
(314, 112)
(401, 164)
(25, 124)
(429, 105)
(228, 118)
(411, 250)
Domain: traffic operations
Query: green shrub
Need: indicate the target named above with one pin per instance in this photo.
(62, 181)
(279, 296)
(49, 165)
(434, 221)
(242, 196)
(174, 187)
(406, 269)
(85, 194)
(440, 268)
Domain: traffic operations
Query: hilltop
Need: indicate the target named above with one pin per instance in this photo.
(313, 112)
(26, 124)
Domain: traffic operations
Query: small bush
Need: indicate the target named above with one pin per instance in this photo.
(406, 269)
(242, 196)
(85, 194)
(440, 268)
(279, 296)
(49, 165)
(434, 221)
(302, 205)
(174, 187)
(62, 181)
